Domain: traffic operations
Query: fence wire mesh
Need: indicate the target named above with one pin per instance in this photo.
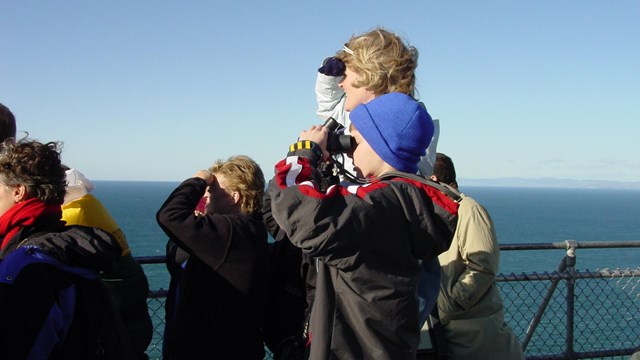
(604, 323)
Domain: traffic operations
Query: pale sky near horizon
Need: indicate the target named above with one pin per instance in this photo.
(155, 90)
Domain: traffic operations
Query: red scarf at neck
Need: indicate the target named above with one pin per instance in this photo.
(23, 214)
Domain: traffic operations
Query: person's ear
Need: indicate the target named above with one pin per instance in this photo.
(19, 193)
(434, 178)
(236, 197)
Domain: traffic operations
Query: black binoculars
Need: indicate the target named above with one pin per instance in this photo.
(337, 142)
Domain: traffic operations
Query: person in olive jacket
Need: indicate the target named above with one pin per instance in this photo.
(469, 304)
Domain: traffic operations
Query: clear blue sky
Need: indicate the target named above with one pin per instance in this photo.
(155, 90)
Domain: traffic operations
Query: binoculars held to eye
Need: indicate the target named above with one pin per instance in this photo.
(337, 142)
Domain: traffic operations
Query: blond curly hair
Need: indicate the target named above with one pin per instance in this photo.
(383, 62)
(243, 175)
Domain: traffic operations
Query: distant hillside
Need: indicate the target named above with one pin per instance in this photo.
(551, 183)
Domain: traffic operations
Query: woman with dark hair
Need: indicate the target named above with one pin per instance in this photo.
(52, 302)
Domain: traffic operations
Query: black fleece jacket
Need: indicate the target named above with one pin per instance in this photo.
(214, 306)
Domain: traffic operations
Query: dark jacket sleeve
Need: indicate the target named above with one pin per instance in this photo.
(314, 221)
(194, 234)
(229, 244)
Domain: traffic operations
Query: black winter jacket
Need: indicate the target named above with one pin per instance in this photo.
(96, 331)
(218, 278)
(367, 240)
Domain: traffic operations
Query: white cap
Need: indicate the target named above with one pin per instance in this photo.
(77, 185)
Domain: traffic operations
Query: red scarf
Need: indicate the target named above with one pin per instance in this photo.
(22, 214)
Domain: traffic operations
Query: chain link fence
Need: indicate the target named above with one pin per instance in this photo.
(600, 320)
(562, 314)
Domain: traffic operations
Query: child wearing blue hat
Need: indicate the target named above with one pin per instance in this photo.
(367, 240)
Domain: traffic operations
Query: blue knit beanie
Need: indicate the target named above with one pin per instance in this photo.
(397, 127)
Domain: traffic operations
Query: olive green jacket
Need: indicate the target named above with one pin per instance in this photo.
(469, 304)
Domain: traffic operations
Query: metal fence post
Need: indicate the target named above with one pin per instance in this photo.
(571, 282)
(545, 302)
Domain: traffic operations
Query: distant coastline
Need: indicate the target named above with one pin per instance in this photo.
(551, 183)
(498, 182)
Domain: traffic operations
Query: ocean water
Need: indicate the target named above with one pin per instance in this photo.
(521, 215)
(134, 204)
(546, 215)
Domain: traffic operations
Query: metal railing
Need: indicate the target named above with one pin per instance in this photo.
(560, 314)
(569, 314)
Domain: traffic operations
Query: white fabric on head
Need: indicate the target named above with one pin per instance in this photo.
(77, 185)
